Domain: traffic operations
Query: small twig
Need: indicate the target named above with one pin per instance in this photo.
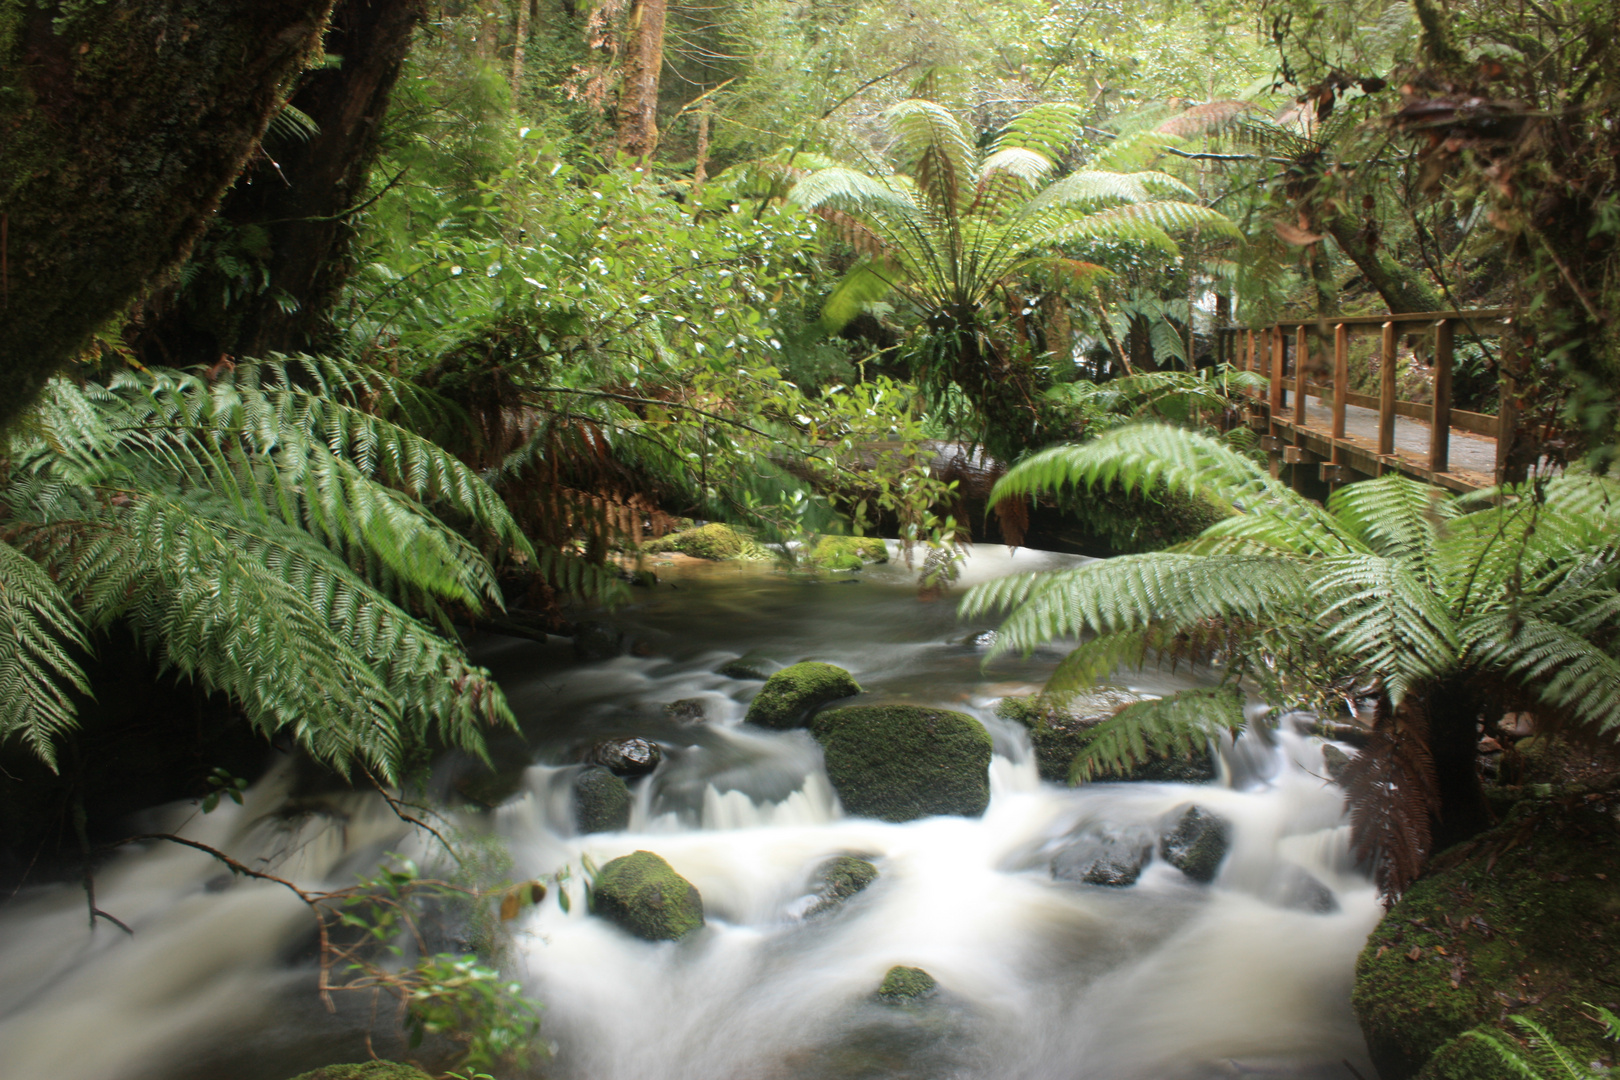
(396, 806)
(1355, 1072)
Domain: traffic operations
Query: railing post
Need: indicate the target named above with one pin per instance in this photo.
(1440, 418)
(1386, 393)
(1341, 380)
(1507, 410)
(1301, 357)
(1277, 361)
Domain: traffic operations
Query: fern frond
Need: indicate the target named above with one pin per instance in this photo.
(37, 670)
(1095, 189)
(1395, 516)
(934, 148)
(1379, 613)
(1179, 726)
(1097, 659)
(1565, 670)
(1049, 129)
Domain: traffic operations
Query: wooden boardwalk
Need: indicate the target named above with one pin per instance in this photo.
(1309, 416)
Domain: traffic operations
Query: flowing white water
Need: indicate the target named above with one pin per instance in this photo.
(1038, 978)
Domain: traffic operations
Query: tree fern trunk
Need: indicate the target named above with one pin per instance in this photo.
(121, 125)
(1454, 745)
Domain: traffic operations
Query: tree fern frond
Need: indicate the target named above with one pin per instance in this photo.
(1563, 669)
(1133, 591)
(933, 147)
(1049, 129)
(1095, 660)
(1394, 515)
(1379, 613)
(1095, 189)
(36, 670)
(1136, 151)
(1180, 725)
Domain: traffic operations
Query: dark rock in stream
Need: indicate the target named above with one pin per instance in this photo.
(366, 1070)
(902, 762)
(1100, 856)
(597, 641)
(687, 711)
(643, 894)
(1334, 762)
(749, 666)
(1197, 843)
(625, 756)
(904, 985)
(838, 879)
(601, 801)
(1299, 891)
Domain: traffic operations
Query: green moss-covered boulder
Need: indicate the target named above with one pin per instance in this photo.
(366, 1070)
(902, 762)
(601, 801)
(644, 895)
(906, 984)
(838, 879)
(1196, 843)
(846, 552)
(788, 696)
(1058, 729)
(715, 541)
(1524, 918)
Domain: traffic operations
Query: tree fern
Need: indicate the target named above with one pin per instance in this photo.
(38, 670)
(265, 536)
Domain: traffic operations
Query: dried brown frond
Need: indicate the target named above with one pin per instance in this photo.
(1392, 793)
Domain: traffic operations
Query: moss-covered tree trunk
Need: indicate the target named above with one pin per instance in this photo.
(121, 125)
(300, 200)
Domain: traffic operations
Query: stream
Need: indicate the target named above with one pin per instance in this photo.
(1038, 978)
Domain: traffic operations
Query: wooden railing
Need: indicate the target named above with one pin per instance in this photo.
(1267, 349)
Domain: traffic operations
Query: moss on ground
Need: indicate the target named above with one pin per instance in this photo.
(715, 541)
(643, 894)
(846, 552)
(788, 696)
(366, 1070)
(1523, 919)
(902, 762)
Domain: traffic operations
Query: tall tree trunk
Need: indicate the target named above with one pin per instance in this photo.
(121, 126)
(305, 200)
(520, 49)
(1454, 745)
(643, 64)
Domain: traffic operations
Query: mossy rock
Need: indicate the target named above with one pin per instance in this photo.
(1058, 729)
(643, 894)
(788, 696)
(1197, 843)
(847, 552)
(1528, 918)
(749, 666)
(366, 1070)
(840, 878)
(601, 801)
(906, 984)
(903, 762)
(1467, 1058)
(716, 542)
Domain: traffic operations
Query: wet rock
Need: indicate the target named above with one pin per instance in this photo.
(902, 762)
(601, 801)
(902, 985)
(1197, 843)
(750, 666)
(1102, 856)
(626, 756)
(366, 1070)
(641, 893)
(1334, 762)
(1058, 729)
(489, 787)
(838, 879)
(787, 698)
(1299, 891)
(846, 552)
(984, 639)
(687, 710)
(597, 640)
(641, 579)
